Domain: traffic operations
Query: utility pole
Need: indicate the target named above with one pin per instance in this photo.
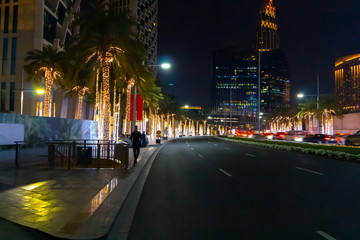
(230, 111)
(134, 111)
(318, 100)
(259, 91)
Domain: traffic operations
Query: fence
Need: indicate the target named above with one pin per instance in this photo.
(73, 154)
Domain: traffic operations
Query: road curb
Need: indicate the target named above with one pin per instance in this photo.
(125, 215)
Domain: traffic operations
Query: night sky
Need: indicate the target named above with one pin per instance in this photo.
(313, 33)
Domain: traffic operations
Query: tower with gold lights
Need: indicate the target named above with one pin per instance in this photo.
(267, 35)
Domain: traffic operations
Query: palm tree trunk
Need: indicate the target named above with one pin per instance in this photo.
(151, 122)
(48, 83)
(106, 100)
(80, 102)
(127, 113)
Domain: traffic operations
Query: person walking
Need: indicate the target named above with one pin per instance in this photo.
(144, 141)
(135, 137)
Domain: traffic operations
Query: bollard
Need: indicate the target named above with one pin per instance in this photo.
(98, 154)
(74, 153)
(51, 155)
(108, 150)
(17, 155)
(69, 156)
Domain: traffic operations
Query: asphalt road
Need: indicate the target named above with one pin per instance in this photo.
(207, 188)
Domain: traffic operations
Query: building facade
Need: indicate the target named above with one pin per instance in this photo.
(235, 84)
(267, 35)
(347, 82)
(145, 12)
(235, 76)
(27, 25)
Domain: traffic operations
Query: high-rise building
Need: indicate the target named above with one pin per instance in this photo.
(347, 82)
(235, 83)
(28, 25)
(235, 87)
(235, 75)
(145, 12)
(267, 35)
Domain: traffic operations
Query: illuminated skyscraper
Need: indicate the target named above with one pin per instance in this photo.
(347, 82)
(235, 76)
(267, 35)
(145, 12)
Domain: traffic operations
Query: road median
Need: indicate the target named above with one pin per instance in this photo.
(345, 153)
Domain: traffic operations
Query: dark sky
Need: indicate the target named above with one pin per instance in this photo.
(312, 34)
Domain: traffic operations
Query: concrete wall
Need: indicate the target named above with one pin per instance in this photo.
(350, 123)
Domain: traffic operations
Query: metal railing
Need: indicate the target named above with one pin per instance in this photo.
(79, 153)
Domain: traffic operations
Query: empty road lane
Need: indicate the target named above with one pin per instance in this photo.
(228, 190)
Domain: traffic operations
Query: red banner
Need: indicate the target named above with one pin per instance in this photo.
(139, 107)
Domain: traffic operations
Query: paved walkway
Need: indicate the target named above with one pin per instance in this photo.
(73, 204)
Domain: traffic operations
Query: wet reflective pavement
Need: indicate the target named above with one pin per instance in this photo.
(75, 204)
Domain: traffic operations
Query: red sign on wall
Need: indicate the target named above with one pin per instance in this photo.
(139, 107)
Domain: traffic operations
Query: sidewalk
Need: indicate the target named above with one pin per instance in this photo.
(73, 204)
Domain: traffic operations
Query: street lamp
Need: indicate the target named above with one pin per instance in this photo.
(38, 91)
(300, 95)
(165, 66)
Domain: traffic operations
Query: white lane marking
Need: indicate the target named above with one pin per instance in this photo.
(227, 148)
(325, 235)
(225, 172)
(192, 149)
(209, 142)
(215, 144)
(201, 156)
(307, 170)
(248, 154)
(188, 145)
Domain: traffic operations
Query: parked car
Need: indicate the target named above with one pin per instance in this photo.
(353, 140)
(296, 136)
(279, 136)
(320, 138)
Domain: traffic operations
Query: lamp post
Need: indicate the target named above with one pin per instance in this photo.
(259, 89)
(301, 95)
(165, 66)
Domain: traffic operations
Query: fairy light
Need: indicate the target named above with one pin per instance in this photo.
(81, 91)
(96, 115)
(37, 109)
(50, 75)
(41, 109)
(128, 101)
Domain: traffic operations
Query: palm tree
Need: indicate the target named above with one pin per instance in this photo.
(80, 90)
(44, 63)
(328, 108)
(105, 41)
(307, 111)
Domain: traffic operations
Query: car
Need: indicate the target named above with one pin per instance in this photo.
(280, 136)
(320, 138)
(268, 136)
(353, 140)
(296, 136)
(341, 138)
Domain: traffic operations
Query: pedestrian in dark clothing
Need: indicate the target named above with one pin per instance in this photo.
(143, 140)
(136, 141)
